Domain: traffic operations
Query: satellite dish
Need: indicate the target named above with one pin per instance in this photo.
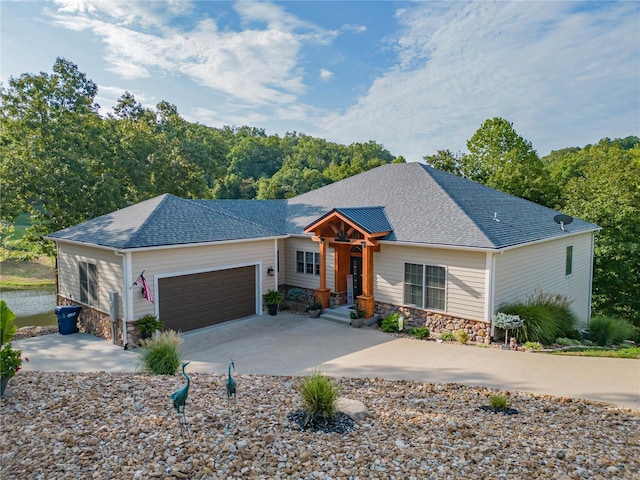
(563, 220)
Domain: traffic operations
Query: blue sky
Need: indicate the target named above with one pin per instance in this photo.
(414, 76)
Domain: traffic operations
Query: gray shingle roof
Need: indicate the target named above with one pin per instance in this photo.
(420, 203)
(163, 220)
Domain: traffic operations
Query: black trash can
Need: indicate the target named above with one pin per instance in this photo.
(67, 318)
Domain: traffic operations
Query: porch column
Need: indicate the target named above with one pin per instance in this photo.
(323, 294)
(366, 301)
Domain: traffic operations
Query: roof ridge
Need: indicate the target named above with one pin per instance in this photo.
(148, 219)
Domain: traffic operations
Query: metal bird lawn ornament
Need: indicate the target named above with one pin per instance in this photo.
(231, 392)
(179, 398)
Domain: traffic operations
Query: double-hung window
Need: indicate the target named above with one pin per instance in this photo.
(425, 286)
(88, 283)
(308, 262)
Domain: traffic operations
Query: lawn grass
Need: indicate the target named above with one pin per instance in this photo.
(628, 352)
(37, 273)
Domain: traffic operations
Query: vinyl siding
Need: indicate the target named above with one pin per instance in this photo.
(541, 268)
(185, 260)
(465, 286)
(288, 261)
(109, 267)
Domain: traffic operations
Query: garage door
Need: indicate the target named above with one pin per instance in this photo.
(194, 301)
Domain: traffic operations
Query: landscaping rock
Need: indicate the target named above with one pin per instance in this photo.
(84, 425)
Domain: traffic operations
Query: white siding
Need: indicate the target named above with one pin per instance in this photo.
(541, 268)
(185, 260)
(465, 276)
(288, 261)
(109, 266)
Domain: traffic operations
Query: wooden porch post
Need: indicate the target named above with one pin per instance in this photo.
(323, 294)
(366, 301)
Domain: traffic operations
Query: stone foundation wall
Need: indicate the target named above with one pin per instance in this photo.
(438, 323)
(95, 322)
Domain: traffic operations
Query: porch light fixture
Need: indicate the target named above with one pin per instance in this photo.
(270, 271)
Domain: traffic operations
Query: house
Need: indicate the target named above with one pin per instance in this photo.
(444, 251)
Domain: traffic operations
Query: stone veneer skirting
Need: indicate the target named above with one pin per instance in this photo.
(98, 323)
(478, 331)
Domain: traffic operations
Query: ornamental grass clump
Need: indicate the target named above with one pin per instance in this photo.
(498, 402)
(605, 331)
(161, 355)
(319, 394)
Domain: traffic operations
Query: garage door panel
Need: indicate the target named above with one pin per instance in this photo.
(194, 301)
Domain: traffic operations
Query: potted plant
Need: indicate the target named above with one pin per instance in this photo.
(314, 309)
(147, 325)
(356, 318)
(272, 298)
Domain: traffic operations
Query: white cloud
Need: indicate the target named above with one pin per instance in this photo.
(551, 71)
(326, 74)
(258, 65)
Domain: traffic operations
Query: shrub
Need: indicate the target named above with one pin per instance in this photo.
(390, 323)
(532, 346)
(462, 336)
(161, 355)
(319, 394)
(498, 402)
(605, 330)
(421, 333)
(447, 336)
(149, 324)
(539, 323)
(560, 307)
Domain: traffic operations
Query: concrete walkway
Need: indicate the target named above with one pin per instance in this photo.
(290, 344)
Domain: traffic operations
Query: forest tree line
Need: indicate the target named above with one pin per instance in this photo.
(64, 163)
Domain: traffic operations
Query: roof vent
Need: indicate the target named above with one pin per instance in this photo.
(495, 217)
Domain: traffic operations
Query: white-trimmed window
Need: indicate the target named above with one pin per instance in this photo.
(88, 283)
(308, 262)
(568, 264)
(425, 286)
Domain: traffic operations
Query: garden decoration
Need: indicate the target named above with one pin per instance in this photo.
(505, 322)
(231, 391)
(179, 398)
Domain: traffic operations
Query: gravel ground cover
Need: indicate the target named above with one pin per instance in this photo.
(108, 425)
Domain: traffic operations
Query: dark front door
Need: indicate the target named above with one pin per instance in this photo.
(356, 271)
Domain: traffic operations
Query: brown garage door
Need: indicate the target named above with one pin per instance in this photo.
(193, 301)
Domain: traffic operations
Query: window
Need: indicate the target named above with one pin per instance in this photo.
(425, 286)
(308, 262)
(568, 266)
(88, 283)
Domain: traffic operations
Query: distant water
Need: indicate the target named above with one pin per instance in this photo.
(32, 307)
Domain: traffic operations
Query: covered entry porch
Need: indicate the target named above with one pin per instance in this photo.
(353, 234)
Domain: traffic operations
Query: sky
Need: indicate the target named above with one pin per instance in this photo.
(416, 77)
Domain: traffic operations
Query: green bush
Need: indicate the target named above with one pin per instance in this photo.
(539, 323)
(605, 330)
(462, 336)
(566, 342)
(161, 355)
(319, 394)
(390, 323)
(560, 307)
(447, 336)
(421, 333)
(532, 346)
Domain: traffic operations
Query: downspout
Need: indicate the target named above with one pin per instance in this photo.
(275, 262)
(127, 296)
(591, 268)
(489, 283)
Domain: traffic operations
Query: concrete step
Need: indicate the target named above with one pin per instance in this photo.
(340, 315)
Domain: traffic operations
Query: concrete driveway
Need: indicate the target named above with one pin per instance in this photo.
(289, 344)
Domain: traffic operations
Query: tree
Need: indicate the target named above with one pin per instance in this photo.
(500, 158)
(607, 192)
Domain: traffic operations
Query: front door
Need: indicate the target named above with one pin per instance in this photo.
(356, 271)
